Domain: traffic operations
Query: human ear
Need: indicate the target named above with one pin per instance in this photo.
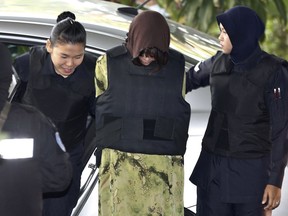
(49, 45)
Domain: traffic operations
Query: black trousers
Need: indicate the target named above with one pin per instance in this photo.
(229, 186)
(209, 204)
(62, 203)
(20, 187)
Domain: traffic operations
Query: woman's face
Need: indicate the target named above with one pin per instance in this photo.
(146, 60)
(65, 57)
(225, 40)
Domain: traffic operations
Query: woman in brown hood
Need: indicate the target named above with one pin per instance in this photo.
(142, 123)
(149, 34)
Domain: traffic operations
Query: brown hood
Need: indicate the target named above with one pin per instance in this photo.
(148, 29)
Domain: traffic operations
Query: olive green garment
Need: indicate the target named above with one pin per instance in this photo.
(132, 184)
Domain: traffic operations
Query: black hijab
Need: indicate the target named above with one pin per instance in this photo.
(244, 28)
(5, 74)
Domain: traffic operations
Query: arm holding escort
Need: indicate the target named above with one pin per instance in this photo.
(101, 84)
(199, 75)
(90, 63)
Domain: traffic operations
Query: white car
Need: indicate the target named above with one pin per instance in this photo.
(27, 23)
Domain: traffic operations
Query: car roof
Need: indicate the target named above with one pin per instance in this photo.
(106, 26)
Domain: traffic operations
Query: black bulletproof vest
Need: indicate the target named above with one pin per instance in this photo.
(143, 111)
(66, 103)
(21, 192)
(239, 121)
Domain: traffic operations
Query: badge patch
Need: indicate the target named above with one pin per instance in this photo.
(59, 142)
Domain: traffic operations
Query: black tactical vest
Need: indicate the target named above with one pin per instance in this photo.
(21, 193)
(239, 121)
(143, 111)
(67, 106)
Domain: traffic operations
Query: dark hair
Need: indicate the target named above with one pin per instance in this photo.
(68, 31)
(64, 15)
(160, 57)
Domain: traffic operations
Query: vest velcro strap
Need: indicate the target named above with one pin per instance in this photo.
(134, 129)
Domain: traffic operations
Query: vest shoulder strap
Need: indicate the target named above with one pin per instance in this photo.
(117, 51)
(175, 54)
(36, 57)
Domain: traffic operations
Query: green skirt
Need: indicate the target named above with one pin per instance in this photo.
(132, 184)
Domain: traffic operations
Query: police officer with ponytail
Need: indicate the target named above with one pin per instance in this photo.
(60, 83)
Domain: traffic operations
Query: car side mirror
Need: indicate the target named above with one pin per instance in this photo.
(131, 10)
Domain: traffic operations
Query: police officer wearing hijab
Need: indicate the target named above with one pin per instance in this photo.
(33, 158)
(244, 149)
